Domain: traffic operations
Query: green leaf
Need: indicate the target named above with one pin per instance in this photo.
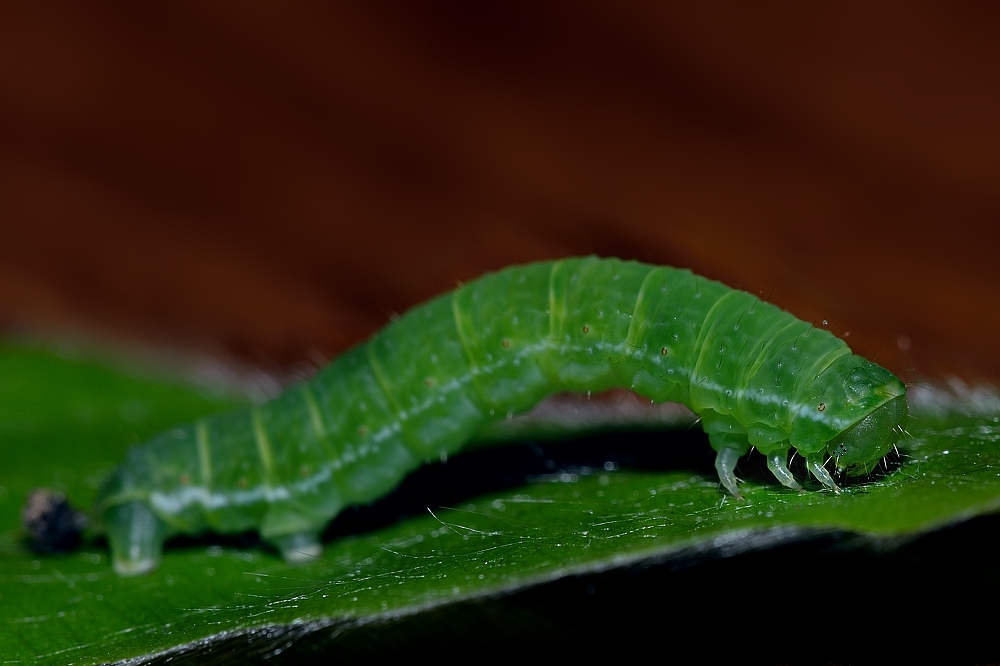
(65, 423)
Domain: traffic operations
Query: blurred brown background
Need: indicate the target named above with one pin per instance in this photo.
(267, 183)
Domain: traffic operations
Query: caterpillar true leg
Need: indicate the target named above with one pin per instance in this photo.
(816, 468)
(729, 439)
(776, 463)
(725, 464)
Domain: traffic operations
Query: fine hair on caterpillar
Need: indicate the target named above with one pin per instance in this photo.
(424, 386)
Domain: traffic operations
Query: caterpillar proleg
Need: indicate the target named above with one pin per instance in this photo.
(421, 388)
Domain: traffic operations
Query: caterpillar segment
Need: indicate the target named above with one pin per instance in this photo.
(421, 388)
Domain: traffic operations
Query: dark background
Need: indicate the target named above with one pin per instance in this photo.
(267, 183)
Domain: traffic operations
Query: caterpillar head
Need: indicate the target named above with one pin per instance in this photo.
(873, 413)
(854, 410)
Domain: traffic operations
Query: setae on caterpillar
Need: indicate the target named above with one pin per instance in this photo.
(422, 387)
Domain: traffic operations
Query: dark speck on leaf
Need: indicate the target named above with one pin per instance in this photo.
(52, 524)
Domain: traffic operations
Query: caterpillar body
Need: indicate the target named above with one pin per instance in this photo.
(421, 388)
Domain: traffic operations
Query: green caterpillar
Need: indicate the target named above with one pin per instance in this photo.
(423, 386)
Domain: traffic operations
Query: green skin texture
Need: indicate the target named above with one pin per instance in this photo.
(422, 387)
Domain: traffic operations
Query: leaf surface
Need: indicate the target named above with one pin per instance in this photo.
(65, 423)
